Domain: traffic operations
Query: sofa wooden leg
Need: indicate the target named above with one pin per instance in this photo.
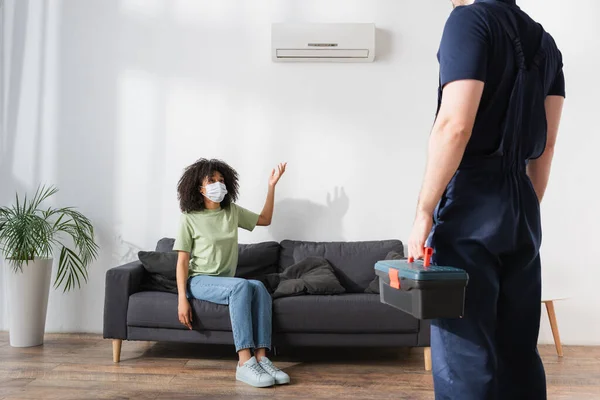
(427, 353)
(117, 350)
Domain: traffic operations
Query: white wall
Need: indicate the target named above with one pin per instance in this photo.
(110, 100)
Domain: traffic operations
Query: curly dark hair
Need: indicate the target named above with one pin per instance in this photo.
(188, 188)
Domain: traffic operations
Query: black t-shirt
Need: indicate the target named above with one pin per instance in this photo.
(475, 45)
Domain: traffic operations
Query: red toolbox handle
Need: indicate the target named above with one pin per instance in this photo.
(426, 259)
(394, 279)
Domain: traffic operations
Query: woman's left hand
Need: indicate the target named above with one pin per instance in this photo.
(276, 174)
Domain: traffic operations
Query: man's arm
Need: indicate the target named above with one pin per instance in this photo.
(538, 170)
(449, 137)
(463, 57)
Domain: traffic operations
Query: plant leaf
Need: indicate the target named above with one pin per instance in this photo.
(28, 232)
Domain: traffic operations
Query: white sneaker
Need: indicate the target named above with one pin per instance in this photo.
(253, 374)
(281, 378)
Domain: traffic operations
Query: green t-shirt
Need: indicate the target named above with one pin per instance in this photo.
(211, 238)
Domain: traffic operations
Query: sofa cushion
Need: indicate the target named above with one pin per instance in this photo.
(159, 310)
(311, 276)
(345, 313)
(165, 244)
(255, 260)
(161, 268)
(158, 262)
(353, 262)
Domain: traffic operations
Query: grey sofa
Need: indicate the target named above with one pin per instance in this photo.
(353, 319)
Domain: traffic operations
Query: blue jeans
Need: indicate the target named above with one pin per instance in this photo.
(250, 307)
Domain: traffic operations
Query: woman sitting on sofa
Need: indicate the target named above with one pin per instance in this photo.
(207, 242)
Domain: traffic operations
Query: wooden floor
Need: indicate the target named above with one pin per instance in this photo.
(81, 367)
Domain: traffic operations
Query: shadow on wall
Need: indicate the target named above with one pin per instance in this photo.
(300, 219)
(124, 252)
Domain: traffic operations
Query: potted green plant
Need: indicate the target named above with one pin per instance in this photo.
(29, 237)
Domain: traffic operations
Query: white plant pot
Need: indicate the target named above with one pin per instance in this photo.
(28, 302)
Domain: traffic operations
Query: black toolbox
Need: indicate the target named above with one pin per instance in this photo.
(422, 290)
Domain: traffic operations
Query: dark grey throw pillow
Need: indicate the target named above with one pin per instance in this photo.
(314, 276)
(162, 263)
(374, 285)
(165, 245)
(257, 260)
(162, 271)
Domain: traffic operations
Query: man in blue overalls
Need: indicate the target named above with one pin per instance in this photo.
(500, 102)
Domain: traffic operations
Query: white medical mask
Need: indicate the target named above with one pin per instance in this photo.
(215, 192)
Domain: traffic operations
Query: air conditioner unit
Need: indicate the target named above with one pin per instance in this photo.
(323, 42)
